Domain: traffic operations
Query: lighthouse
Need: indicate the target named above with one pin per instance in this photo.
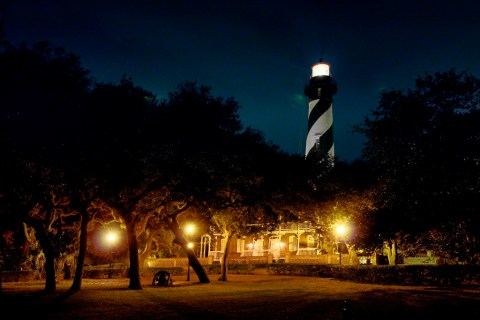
(320, 90)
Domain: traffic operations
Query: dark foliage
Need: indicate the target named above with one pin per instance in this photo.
(424, 146)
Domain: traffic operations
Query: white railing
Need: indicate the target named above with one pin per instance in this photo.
(254, 253)
(294, 226)
(307, 251)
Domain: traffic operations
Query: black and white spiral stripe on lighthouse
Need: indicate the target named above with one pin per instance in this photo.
(320, 91)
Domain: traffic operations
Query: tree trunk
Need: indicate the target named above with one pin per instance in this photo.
(180, 240)
(47, 247)
(147, 249)
(50, 275)
(77, 280)
(135, 280)
(224, 261)
(393, 260)
(197, 267)
(352, 254)
(391, 249)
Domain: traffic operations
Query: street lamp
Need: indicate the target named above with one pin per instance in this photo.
(111, 238)
(189, 230)
(340, 230)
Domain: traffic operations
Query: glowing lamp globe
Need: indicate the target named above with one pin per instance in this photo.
(190, 229)
(321, 69)
(111, 238)
(340, 230)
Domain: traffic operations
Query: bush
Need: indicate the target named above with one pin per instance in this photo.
(451, 275)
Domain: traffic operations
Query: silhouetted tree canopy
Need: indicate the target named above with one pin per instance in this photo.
(42, 91)
(424, 145)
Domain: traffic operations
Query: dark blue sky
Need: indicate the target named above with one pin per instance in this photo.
(260, 52)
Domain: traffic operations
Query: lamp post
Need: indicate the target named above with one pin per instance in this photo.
(340, 230)
(190, 246)
(189, 230)
(111, 238)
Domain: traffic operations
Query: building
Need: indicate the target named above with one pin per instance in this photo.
(320, 91)
(297, 238)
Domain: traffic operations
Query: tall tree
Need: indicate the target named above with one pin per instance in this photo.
(116, 116)
(42, 89)
(424, 145)
(197, 129)
(260, 187)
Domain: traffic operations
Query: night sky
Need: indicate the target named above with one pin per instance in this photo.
(260, 52)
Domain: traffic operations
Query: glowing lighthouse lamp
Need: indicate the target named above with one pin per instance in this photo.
(321, 69)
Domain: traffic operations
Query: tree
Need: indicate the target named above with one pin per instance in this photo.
(42, 201)
(341, 196)
(117, 154)
(41, 91)
(86, 199)
(197, 130)
(155, 239)
(249, 174)
(423, 144)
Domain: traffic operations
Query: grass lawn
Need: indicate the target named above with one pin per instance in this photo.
(242, 297)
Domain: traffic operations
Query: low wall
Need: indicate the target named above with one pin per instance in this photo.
(236, 259)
